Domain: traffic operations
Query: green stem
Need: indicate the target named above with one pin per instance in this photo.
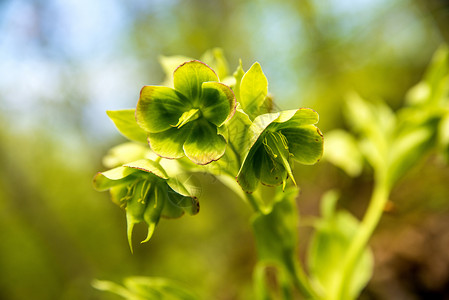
(300, 279)
(255, 203)
(372, 217)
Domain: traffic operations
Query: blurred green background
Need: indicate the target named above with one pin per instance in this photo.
(64, 62)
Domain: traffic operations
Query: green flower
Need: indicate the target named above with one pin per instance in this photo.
(146, 192)
(274, 140)
(189, 119)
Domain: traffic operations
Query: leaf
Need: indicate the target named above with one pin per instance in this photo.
(253, 90)
(217, 102)
(204, 145)
(126, 124)
(341, 149)
(216, 60)
(159, 108)
(406, 150)
(327, 249)
(189, 77)
(146, 288)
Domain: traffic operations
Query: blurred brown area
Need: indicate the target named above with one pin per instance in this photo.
(62, 64)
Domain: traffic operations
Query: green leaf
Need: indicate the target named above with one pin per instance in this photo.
(204, 145)
(407, 149)
(146, 288)
(328, 247)
(216, 60)
(341, 149)
(217, 102)
(159, 108)
(169, 143)
(189, 77)
(126, 124)
(253, 90)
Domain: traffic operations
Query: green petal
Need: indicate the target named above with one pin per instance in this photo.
(189, 77)
(249, 174)
(305, 143)
(169, 143)
(253, 90)
(159, 108)
(204, 145)
(125, 121)
(217, 102)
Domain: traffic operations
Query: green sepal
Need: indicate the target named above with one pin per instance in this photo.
(169, 144)
(125, 121)
(217, 102)
(135, 207)
(238, 75)
(121, 175)
(159, 108)
(305, 143)
(126, 152)
(189, 77)
(156, 200)
(204, 144)
(117, 176)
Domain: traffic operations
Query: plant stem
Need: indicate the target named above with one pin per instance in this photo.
(300, 279)
(367, 226)
(255, 203)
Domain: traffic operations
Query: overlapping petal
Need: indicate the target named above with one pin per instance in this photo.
(146, 192)
(174, 118)
(189, 77)
(204, 144)
(159, 108)
(274, 140)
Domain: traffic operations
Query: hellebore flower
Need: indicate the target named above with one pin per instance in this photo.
(187, 120)
(146, 192)
(276, 138)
